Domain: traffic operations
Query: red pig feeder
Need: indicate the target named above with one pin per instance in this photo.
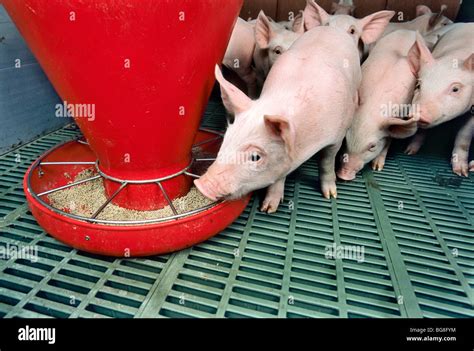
(144, 70)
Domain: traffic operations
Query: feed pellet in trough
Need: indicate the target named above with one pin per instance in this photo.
(86, 198)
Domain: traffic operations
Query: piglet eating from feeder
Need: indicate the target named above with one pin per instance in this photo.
(306, 106)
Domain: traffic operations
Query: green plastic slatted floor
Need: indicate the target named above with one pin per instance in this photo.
(414, 219)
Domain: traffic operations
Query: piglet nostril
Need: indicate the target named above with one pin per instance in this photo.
(204, 189)
(346, 175)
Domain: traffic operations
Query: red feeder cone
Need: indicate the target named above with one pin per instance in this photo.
(136, 75)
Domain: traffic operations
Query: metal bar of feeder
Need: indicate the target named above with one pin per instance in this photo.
(101, 208)
(205, 159)
(192, 175)
(147, 181)
(68, 185)
(211, 131)
(167, 199)
(67, 163)
(82, 142)
(207, 141)
(36, 165)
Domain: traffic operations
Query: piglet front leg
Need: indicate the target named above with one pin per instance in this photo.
(462, 143)
(274, 196)
(327, 174)
(416, 143)
(379, 162)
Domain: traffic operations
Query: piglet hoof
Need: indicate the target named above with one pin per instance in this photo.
(412, 149)
(462, 168)
(378, 164)
(270, 204)
(329, 190)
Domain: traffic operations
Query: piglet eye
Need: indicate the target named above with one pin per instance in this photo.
(277, 50)
(372, 147)
(455, 89)
(254, 157)
(352, 31)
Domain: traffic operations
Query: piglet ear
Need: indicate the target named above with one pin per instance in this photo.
(235, 101)
(281, 127)
(437, 17)
(419, 55)
(314, 15)
(469, 63)
(373, 25)
(298, 23)
(422, 10)
(399, 128)
(263, 31)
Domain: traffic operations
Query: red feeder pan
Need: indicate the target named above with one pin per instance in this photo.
(137, 75)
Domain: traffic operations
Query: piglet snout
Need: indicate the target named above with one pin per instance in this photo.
(346, 174)
(204, 188)
(424, 123)
(423, 118)
(208, 189)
